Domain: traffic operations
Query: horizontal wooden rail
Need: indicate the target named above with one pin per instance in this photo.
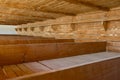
(32, 41)
(13, 54)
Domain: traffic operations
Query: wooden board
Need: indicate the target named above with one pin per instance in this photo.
(15, 54)
(102, 66)
(17, 70)
(37, 67)
(38, 52)
(2, 75)
(113, 46)
(11, 54)
(9, 72)
(25, 69)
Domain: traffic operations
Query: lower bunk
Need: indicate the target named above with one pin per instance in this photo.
(96, 66)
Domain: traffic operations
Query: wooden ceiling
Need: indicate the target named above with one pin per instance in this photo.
(16, 12)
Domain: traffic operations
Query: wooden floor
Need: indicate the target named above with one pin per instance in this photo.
(46, 66)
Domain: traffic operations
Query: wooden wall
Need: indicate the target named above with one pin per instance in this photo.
(94, 26)
(113, 46)
(20, 53)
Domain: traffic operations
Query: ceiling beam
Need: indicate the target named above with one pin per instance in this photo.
(17, 17)
(38, 10)
(20, 17)
(33, 17)
(79, 2)
(15, 22)
(55, 12)
(29, 13)
(9, 23)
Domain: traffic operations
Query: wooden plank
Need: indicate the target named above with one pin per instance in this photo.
(64, 63)
(117, 44)
(9, 72)
(11, 54)
(102, 68)
(37, 67)
(25, 69)
(17, 70)
(57, 64)
(67, 49)
(2, 75)
(39, 52)
(78, 2)
(113, 48)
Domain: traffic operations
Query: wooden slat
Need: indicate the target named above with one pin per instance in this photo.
(57, 64)
(117, 44)
(73, 49)
(17, 70)
(9, 72)
(6, 41)
(2, 75)
(37, 67)
(64, 63)
(25, 69)
(113, 46)
(78, 2)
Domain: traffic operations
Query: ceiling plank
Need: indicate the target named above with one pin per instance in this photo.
(56, 12)
(22, 17)
(34, 9)
(79, 2)
(17, 17)
(30, 13)
(9, 23)
(14, 22)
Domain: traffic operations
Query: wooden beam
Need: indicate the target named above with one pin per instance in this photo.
(16, 21)
(24, 12)
(33, 17)
(17, 17)
(35, 8)
(9, 17)
(79, 2)
(55, 12)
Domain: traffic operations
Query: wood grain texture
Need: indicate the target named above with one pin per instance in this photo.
(2, 75)
(9, 72)
(35, 10)
(25, 69)
(11, 54)
(113, 46)
(37, 67)
(103, 66)
(15, 54)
